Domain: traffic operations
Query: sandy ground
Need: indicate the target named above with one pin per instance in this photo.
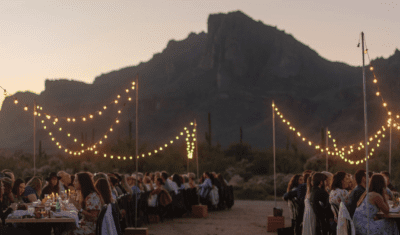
(245, 217)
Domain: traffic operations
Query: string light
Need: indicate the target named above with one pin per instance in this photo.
(341, 153)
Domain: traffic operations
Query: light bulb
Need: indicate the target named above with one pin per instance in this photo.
(127, 90)
(116, 101)
(100, 112)
(104, 107)
(378, 93)
(375, 80)
(118, 96)
(68, 119)
(129, 98)
(90, 116)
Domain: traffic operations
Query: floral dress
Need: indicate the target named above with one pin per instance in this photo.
(337, 194)
(376, 227)
(92, 202)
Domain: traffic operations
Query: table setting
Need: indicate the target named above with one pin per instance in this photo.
(52, 209)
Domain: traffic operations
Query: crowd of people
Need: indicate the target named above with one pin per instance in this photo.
(315, 199)
(90, 192)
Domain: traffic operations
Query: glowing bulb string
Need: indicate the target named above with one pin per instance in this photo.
(68, 134)
(85, 117)
(310, 143)
(361, 146)
(77, 152)
(150, 153)
(190, 144)
(371, 138)
(379, 93)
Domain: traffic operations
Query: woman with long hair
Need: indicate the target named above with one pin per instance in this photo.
(53, 185)
(8, 197)
(294, 182)
(103, 188)
(376, 202)
(4, 209)
(309, 219)
(18, 191)
(338, 192)
(89, 204)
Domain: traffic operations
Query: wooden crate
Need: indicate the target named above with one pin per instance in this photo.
(153, 219)
(199, 211)
(136, 231)
(275, 222)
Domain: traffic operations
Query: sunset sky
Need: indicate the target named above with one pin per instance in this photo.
(80, 40)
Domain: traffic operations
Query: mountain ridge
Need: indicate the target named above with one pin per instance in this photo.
(233, 71)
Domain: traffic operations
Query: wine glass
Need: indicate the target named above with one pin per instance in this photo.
(31, 209)
(47, 207)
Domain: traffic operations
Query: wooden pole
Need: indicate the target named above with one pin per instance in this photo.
(34, 138)
(273, 147)
(137, 141)
(365, 124)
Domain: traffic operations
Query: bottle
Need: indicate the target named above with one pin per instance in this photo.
(58, 206)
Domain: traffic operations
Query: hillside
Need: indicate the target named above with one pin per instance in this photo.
(233, 71)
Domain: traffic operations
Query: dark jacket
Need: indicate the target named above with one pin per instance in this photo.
(353, 199)
(322, 212)
(301, 193)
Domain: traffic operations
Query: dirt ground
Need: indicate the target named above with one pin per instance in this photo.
(245, 217)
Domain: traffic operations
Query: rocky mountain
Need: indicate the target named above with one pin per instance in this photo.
(233, 71)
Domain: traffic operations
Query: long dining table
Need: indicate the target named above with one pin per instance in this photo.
(66, 219)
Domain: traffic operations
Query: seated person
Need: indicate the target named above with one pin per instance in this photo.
(8, 197)
(4, 210)
(165, 199)
(33, 189)
(89, 204)
(205, 187)
(18, 191)
(376, 202)
(52, 186)
(319, 200)
(169, 185)
(356, 193)
(338, 188)
(67, 180)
